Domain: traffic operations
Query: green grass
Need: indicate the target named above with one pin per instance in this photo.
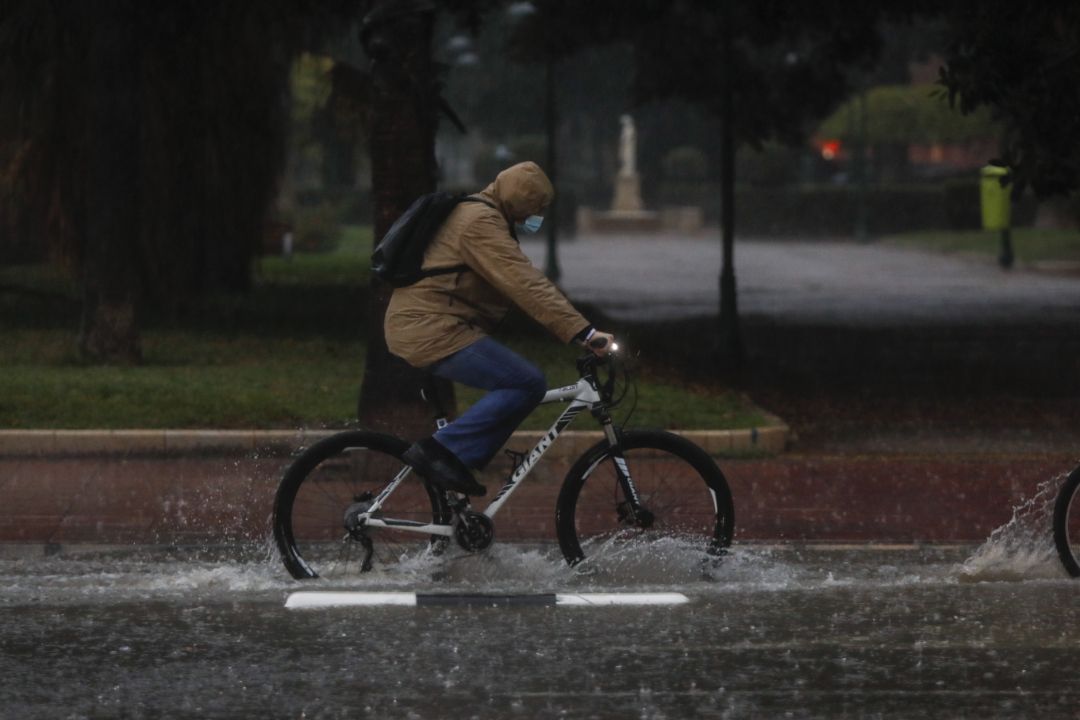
(1029, 245)
(281, 392)
(346, 265)
(289, 354)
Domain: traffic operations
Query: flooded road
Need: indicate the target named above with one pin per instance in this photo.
(773, 631)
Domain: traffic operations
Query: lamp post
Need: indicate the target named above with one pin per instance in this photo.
(861, 233)
(551, 127)
(518, 11)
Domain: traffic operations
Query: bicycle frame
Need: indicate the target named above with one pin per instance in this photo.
(582, 396)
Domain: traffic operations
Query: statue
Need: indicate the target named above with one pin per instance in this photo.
(628, 213)
(627, 183)
(627, 147)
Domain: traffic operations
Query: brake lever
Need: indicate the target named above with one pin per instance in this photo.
(588, 364)
(601, 343)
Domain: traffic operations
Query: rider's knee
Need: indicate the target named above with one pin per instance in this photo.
(535, 384)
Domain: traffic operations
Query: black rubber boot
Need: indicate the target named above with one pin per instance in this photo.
(442, 468)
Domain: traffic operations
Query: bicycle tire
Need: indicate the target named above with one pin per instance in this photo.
(677, 481)
(1067, 523)
(324, 481)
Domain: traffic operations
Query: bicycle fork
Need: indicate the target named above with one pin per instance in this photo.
(630, 511)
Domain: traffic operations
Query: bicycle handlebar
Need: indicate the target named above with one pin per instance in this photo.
(601, 343)
(589, 363)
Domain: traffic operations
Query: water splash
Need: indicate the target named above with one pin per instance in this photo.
(506, 568)
(1023, 548)
(647, 563)
(110, 580)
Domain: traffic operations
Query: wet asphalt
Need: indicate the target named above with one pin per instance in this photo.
(664, 277)
(774, 632)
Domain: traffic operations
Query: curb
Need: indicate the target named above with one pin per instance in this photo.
(62, 443)
(65, 443)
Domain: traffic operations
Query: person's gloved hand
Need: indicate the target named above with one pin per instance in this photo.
(601, 343)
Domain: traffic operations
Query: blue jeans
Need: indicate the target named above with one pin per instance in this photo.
(517, 387)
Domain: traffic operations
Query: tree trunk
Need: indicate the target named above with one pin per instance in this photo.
(403, 120)
(109, 330)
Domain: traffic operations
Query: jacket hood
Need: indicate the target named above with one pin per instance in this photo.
(521, 190)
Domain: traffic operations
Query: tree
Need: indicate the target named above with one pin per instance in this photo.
(910, 113)
(403, 87)
(187, 109)
(111, 284)
(402, 123)
(1021, 60)
(144, 141)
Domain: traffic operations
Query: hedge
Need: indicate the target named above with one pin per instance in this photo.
(831, 210)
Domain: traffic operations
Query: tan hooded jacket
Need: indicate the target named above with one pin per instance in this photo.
(439, 315)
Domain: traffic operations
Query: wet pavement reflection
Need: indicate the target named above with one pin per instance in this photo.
(772, 631)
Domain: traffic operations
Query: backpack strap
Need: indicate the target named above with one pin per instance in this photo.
(463, 268)
(509, 225)
(473, 198)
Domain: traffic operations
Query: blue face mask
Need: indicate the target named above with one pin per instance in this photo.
(532, 223)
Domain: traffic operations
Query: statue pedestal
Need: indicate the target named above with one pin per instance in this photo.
(676, 221)
(617, 221)
(627, 193)
(627, 214)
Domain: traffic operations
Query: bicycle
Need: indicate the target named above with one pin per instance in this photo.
(1067, 523)
(348, 501)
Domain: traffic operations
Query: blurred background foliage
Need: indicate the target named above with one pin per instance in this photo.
(908, 114)
(281, 135)
(919, 152)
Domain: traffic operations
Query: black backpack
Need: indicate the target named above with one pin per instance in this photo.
(399, 255)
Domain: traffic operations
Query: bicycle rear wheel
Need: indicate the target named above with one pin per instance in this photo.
(1067, 523)
(326, 483)
(677, 482)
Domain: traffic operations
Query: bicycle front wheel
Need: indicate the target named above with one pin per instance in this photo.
(684, 494)
(1067, 523)
(324, 488)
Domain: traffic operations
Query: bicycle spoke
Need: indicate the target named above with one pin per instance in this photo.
(318, 521)
(675, 484)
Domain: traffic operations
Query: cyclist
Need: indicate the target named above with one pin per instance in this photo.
(442, 323)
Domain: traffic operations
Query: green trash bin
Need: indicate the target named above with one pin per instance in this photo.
(996, 203)
(996, 208)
